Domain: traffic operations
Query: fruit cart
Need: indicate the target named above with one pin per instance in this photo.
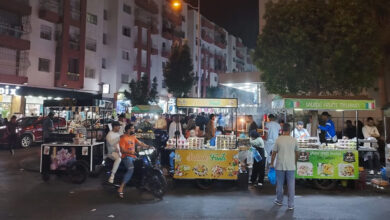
(327, 163)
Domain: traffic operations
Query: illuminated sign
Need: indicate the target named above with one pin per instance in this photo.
(106, 88)
(7, 90)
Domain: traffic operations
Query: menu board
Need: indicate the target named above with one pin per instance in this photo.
(206, 164)
(328, 164)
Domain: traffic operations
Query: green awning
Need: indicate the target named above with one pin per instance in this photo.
(324, 104)
(138, 109)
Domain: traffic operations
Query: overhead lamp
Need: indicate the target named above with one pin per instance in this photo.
(298, 109)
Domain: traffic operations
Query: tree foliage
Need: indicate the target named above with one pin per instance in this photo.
(140, 93)
(178, 74)
(320, 47)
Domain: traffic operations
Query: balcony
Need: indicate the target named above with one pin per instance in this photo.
(165, 53)
(206, 23)
(13, 66)
(50, 10)
(167, 33)
(10, 37)
(239, 43)
(73, 76)
(140, 68)
(146, 23)
(20, 7)
(207, 37)
(239, 54)
(74, 45)
(154, 50)
(141, 44)
(148, 5)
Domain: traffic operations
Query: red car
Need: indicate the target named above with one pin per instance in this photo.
(29, 130)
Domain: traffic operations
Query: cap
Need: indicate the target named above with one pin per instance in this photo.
(325, 113)
(300, 123)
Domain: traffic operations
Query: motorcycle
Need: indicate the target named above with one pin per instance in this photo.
(146, 174)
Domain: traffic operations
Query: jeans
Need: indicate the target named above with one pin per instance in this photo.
(129, 164)
(373, 160)
(288, 175)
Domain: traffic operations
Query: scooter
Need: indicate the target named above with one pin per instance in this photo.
(146, 174)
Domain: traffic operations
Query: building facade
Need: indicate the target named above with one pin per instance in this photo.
(52, 48)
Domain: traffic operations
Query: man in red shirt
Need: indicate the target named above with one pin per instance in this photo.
(128, 143)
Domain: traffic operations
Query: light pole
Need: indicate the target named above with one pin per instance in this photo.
(176, 4)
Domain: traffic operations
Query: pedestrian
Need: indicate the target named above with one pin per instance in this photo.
(112, 141)
(48, 127)
(272, 129)
(175, 129)
(258, 171)
(286, 148)
(12, 138)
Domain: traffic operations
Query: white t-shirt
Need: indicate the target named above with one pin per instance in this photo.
(172, 129)
(272, 128)
(112, 139)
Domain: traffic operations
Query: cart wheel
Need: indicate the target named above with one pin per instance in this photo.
(325, 184)
(77, 172)
(45, 177)
(204, 183)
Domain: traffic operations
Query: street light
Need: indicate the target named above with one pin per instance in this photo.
(176, 4)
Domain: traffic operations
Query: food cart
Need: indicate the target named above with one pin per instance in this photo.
(196, 160)
(326, 163)
(78, 150)
(146, 135)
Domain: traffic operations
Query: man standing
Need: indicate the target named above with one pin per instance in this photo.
(286, 147)
(251, 124)
(272, 130)
(370, 131)
(175, 128)
(11, 130)
(48, 127)
(113, 149)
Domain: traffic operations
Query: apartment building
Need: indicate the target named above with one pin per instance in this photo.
(52, 49)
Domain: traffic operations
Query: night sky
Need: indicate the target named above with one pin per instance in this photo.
(239, 17)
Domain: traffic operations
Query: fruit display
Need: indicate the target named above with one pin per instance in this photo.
(226, 142)
(145, 135)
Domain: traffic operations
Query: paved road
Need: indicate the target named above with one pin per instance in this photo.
(23, 195)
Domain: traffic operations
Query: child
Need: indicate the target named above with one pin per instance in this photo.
(258, 171)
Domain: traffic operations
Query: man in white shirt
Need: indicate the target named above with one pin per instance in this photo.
(370, 131)
(175, 126)
(113, 148)
(300, 132)
(272, 130)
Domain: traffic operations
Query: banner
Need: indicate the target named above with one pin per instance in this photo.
(328, 164)
(206, 164)
(329, 104)
(206, 103)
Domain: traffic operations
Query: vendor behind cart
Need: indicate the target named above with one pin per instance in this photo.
(329, 129)
(372, 157)
(300, 132)
(48, 127)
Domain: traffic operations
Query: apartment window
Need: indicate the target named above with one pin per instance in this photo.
(103, 63)
(105, 15)
(90, 73)
(125, 55)
(104, 38)
(163, 45)
(126, 31)
(44, 65)
(90, 44)
(127, 9)
(125, 78)
(45, 32)
(91, 18)
(73, 65)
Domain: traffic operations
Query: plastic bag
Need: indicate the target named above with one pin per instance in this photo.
(256, 155)
(272, 176)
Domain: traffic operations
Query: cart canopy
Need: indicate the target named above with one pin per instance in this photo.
(324, 104)
(139, 109)
(206, 103)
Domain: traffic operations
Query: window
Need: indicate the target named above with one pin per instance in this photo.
(44, 65)
(104, 63)
(126, 31)
(125, 78)
(91, 18)
(104, 38)
(105, 15)
(90, 73)
(127, 9)
(125, 55)
(215, 79)
(45, 32)
(90, 44)
(73, 65)
(163, 45)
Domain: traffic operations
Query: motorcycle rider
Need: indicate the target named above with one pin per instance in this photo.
(114, 153)
(127, 144)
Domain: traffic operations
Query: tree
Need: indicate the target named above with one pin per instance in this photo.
(178, 74)
(323, 47)
(140, 94)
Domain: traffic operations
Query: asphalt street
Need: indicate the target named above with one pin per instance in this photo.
(23, 195)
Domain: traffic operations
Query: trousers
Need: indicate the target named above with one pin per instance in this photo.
(289, 176)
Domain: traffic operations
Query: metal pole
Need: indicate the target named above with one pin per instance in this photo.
(342, 127)
(198, 51)
(293, 122)
(357, 130)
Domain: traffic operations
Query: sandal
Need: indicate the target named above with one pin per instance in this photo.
(120, 194)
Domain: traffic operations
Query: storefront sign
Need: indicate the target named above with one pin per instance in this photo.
(7, 90)
(328, 164)
(206, 164)
(206, 103)
(329, 104)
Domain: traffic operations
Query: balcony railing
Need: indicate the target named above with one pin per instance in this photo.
(51, 5)
(148, 5)
(8, 30)
(74, 45)
(11, 64)
(73, 76)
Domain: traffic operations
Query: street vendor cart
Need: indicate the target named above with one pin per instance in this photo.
(199, 161)
(327, 163)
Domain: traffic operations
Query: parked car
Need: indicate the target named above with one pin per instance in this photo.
(29, 130)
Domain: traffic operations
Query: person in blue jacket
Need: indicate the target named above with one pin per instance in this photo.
(329, 129)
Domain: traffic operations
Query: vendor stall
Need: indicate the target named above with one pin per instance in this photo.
(330, 161)
(200, 160)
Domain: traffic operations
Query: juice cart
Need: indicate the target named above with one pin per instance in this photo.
(327, 163)
(203, 163)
